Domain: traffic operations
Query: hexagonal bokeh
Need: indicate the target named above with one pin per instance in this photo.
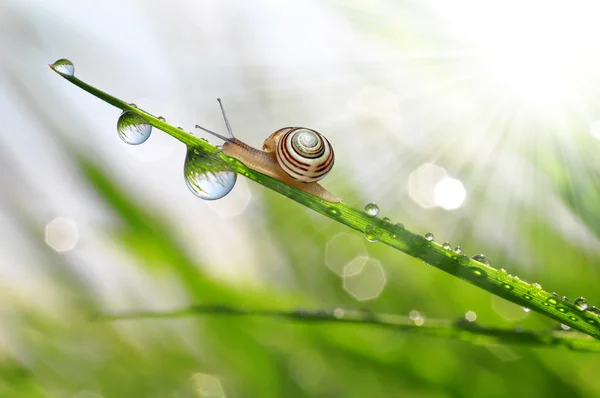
(61, 234)
(207, 386)
(342, 249)
(364, 278)
(422, 182)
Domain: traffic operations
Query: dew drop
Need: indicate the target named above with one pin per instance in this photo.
(502, 270)
(581, 303)
(447, 246)
(133, 128)
(208, 176)
(162, 119)
(594, 310)
(133, 105)
(552, 300)
(372, 209)
(564, 327)
(332, 211)
(526, 309)
(457, 250)
(385, 219)
(371, 234)
(537, 285)
(429, 236)
(481, 258)
(64, 67)
(463, 260)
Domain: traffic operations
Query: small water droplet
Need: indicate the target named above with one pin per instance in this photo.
(385, 219)
(333, 212)
(133, 105)
(565, 298)
(536, 285)
(457, 250)
(463, 260)
(581, 303)
(371, 234)
(64, 67)
(552, 300)
(447, 246)
(526, 309)
(429, 236)
(594, 310)
(481, 258)
(372, 209)
(555, 294)
(133, 128)
(503, 271)
(564, 327)
(162, 119)
(208, 176)
(180, 128)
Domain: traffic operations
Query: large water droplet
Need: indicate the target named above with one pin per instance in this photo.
(64, 67)
(429, 236)
(208, 176)
(481, 258)
(581, 303)
(594, 310)
(371, 234)
(372, 209)
(133, 128)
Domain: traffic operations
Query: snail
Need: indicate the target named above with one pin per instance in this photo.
(297, 156)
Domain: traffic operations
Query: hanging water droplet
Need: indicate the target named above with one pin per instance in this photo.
(208, 176)
(133, 128)
(564, 327)
(162, 119)
(581, 303)
(372, 209)
(64, 67)
(457, 250)
(481, 258)
(429, 236)
(371, 234)
(385, 219)
(526, 309)
(447, 246)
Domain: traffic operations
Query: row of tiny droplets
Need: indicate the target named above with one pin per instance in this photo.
(581, 303)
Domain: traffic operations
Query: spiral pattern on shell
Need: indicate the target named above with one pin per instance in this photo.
(304, 154)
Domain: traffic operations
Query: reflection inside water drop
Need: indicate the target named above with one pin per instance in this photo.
(133, 129)
(372, 209)
(64, 67)
(208, 176)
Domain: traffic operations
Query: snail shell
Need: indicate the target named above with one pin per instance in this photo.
(295, 155)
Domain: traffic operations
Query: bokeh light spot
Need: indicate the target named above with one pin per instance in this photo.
(61, 234)
(449, 193)
(368, 282)
(422, 183)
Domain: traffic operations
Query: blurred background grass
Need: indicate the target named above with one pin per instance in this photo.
(502, 95)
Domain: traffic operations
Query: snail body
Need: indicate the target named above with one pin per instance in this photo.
(296, 156)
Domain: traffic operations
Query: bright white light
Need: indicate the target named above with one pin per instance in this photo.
(595, 129)
(471, 316)
(537, 52)
(449, 193)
